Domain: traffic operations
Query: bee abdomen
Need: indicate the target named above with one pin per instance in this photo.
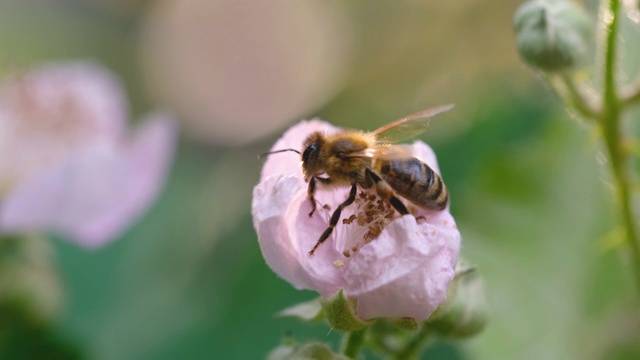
(415, 181)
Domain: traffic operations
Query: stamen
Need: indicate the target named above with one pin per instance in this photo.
(373, 214)
(349, 220)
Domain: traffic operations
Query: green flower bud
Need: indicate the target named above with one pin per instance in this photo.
(307, 351)
(391, 334)
(465, 312)
(28, 279)
(553, 36)
(339, 311)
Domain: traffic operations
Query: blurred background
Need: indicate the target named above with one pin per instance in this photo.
(188, 281)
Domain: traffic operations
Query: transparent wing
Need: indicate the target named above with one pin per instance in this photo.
(387, 152)
(393, 152)
(409, 126)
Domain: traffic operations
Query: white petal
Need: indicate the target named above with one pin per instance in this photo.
(405, 272)
(286, 234)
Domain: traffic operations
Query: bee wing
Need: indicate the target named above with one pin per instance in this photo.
(409, 126)
(386, 152)
(393, 152)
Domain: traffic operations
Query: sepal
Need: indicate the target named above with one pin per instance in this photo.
(308, 311)
(405, 324)
(339, 311)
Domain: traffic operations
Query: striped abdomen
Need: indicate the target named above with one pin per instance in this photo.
(415, 181)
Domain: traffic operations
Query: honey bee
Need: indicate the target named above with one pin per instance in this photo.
(369, 160)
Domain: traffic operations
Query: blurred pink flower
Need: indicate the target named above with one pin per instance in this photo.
(67, 162)
(404, 272)
(236, 71)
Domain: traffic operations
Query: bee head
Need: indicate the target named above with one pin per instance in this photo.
(311, 163)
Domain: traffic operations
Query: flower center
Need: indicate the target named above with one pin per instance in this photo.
(372, 214)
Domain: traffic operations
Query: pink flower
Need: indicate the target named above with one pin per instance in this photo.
(67, 162)
(403, 272)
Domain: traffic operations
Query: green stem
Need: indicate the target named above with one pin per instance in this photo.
(578, 98)
(611, 29)
(353, 342)
(414, 346)
(610, 123)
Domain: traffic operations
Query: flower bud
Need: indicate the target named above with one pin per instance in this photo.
(553, 35)
(307, 351)
(28, 279)
(406, 324)
(464, 313)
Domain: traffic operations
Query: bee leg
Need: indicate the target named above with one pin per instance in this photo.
(384, 191)
(398, 205)
(335, 218)
(311, 190)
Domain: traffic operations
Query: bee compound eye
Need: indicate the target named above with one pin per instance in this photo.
(308, 151)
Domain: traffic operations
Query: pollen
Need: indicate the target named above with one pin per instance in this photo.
(339, 263)
(373, 214)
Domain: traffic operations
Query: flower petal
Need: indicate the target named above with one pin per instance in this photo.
(270, 201)
(96, 194)
(405, 272)
(54, 112)
(278, 205)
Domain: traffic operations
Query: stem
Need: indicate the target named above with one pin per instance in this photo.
(415, 345)
(611, 29)
(353, 342)
(577, 98)
(610, 123)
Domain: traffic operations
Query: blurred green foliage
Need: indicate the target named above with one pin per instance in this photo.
(188, 281)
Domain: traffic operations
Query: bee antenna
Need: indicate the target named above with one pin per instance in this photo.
(277, 151)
